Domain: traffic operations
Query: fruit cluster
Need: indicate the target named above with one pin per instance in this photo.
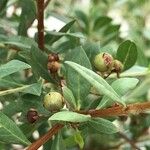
(104, 62)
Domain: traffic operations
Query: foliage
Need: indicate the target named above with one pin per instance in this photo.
(27, 73)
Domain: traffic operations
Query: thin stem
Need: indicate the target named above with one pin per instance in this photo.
(119, 110)
(40, 17)
(42, 140)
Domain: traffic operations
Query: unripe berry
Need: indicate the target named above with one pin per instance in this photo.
(53, 101)
(32, 116)
(103, 62)
(118, 66)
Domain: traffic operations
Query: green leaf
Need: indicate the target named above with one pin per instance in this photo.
(121, 87)
(39, 62)
(98, 82)
(127, 54)
(111, 29)
(83, 20)
(79, 139)
(75, 82)
(60, 34)
(101, 22)
(102, 126)
(135, 71)
(28, 15)
(91, 49)
(70, 117)
(68, 95)
(12, 67)
(140, 90)
(10, 133)
(8, 82)
(34, 89)
(82, 16)
(51, 39)
(3, 4)
(19, 41)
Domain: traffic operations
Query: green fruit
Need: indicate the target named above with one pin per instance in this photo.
(118, 66)
(53, 101)
(103, 62)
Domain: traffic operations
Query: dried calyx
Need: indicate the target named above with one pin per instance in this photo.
(53, 64)
(118, 66)
(32, 116)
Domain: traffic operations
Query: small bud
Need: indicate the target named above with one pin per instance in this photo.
(103, 62)
(53, 67)
(53, 57)
(32, 116)
(53, 101)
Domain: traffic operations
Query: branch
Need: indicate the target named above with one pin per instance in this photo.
(119, 110)
(40, 17)
(107, 112)
(42, 140)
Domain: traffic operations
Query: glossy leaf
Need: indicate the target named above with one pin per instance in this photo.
(127, 54)
(12, 67)
(9, 132)
(70, 117)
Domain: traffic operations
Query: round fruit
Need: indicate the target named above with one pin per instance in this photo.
(53, 101)
(118, 66)
(103, 62)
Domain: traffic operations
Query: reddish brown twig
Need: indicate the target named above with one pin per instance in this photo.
(119, 110)
(107, 112)
(40, 17)
(42, 140)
